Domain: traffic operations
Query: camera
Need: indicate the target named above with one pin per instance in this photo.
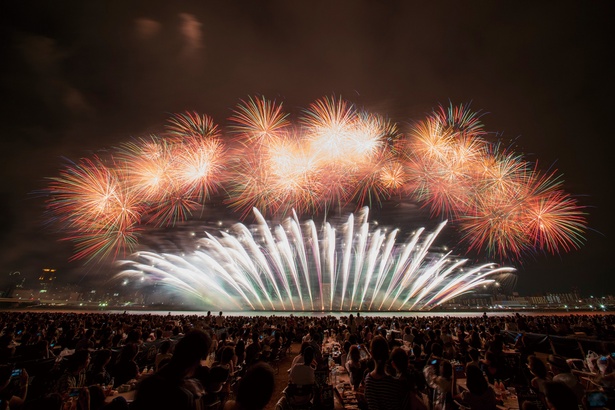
(16, 373)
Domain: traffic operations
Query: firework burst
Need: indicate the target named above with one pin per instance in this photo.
(337, 155)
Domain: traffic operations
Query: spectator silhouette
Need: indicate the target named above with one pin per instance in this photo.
(255, 389)
(167, 388)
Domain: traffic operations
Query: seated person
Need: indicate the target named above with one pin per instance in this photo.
(299, 357)
(74, 376)
(126, 368)
(217, 382)
(255, 389)
(98, 373)
(560, 397)
(561, 373)
(479, 396)
(97, 400)
(167, 387)
(474, 356)
(164, 352)
(303, 373)
(539, 373)
(13, 390)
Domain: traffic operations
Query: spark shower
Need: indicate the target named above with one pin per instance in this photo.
(292, 267)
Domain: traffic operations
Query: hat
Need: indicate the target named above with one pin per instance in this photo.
(558, 361)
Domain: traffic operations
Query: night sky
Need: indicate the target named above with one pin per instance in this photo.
(78, 77)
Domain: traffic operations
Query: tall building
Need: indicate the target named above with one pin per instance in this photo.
(47, 279)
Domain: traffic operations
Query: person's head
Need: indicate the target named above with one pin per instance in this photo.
(256, 387)
(417, 350)
(97, 397)
(560, 397)
(475, 380)
(354, 353)
(218, 374)
(165, 347)
(304, 346)
(227, 354)
(89, 333)
(7, 343)
(308, 355)
(102, 358)
(399, 359)
(558, 364)
(436, 349)
(537, 367)
(201, 374)
(379, 349)
(474, 354)
(78, 361)
(446, 369)
(190, 350)
(128, 353)
(490, 358)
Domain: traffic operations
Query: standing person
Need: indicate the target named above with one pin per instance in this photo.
(355, 366)
(382, 391)
(166, 389)
(439, 376)
(220, 321)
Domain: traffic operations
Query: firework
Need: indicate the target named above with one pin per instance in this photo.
(91, 202)
(259, 120)
(291, 267)
(336, 156)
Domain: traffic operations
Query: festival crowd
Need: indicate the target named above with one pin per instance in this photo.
(52, 360)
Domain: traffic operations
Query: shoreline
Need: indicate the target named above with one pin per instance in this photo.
(177, 311)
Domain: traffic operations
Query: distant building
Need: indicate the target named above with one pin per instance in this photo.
(47, 278)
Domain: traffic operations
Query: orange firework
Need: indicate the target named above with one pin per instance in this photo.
(258, 120)
(336, 155)
(92, 203)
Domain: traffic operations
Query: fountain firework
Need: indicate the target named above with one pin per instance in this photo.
(298, 267)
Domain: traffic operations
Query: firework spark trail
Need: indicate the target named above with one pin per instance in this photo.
(347, 253)
(337, 155)
(227, 262)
